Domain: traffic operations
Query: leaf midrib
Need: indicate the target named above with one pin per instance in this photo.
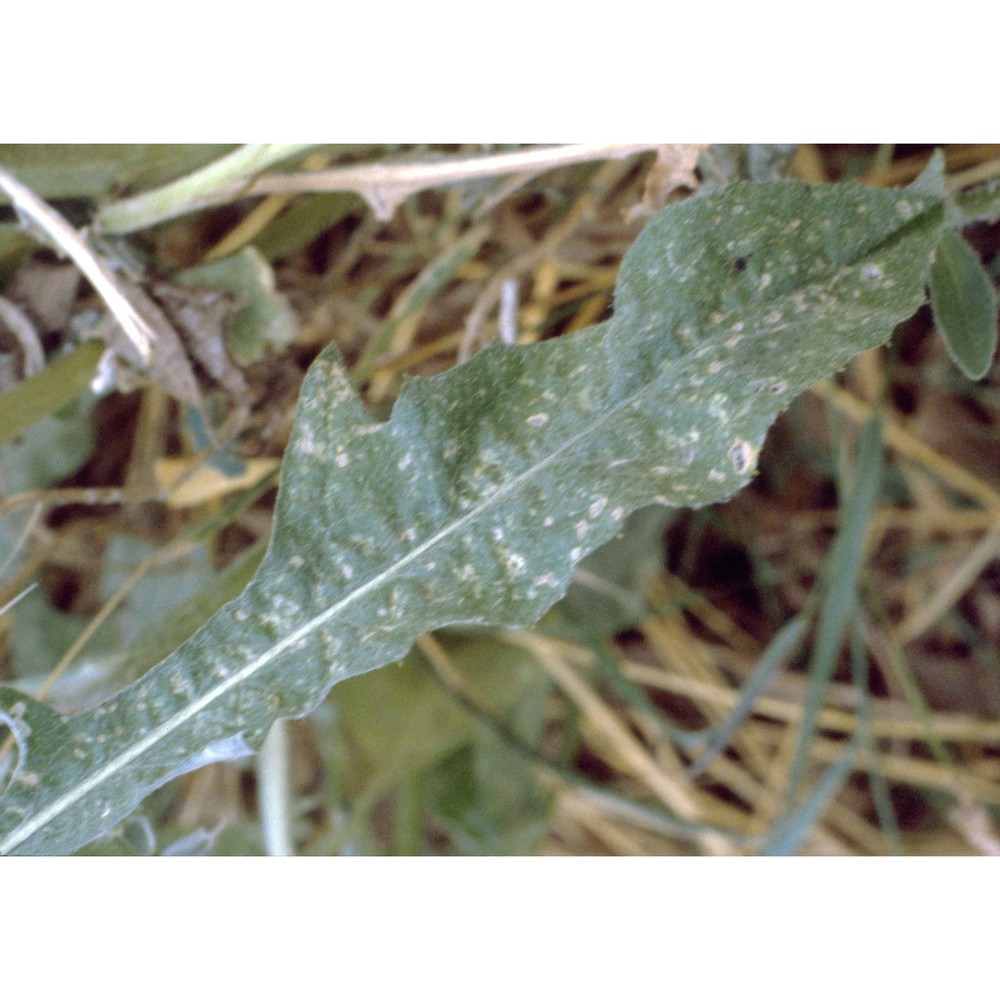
(193, 708)
(176, 721)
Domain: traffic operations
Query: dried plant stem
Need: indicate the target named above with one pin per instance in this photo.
(383, 185)
(274, 792)
(922, 618)
(65, 239)
(664, 777)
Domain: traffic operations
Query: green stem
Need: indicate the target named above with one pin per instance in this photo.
(274, 794)
(408, 833)
(196, 190)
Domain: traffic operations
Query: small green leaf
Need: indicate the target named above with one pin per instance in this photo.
(56, 386)
(265, 319)
(488, 798)
(965, 305)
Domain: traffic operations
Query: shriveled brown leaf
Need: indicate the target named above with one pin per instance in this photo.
(168, 365)
(673, 169)
(201, 316)
(47, 292)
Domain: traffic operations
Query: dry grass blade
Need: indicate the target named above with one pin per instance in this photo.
(45, 220)
(386, 185)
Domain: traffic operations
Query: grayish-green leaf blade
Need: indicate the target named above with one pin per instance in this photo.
(773, 658)
(491, 482)
(964, 304)
(843, 569)
(791, 832)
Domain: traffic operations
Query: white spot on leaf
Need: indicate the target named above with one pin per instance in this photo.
(742, 455)
(515, 563)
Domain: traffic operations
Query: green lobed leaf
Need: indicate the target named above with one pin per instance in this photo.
(491, 482)
(964, 304)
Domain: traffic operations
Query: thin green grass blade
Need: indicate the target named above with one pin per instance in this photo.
(423, 288)
(842, 572)
(780, 648)
(304, 221)
(880, 787)
(789, 835)
(911, 689)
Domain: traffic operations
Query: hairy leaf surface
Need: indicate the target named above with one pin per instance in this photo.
(965, 305)
(491, 482)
